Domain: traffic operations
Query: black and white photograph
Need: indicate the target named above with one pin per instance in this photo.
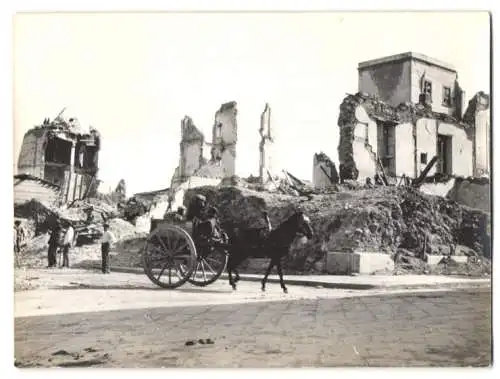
(252, 189)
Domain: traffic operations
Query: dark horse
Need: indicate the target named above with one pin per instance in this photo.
(258, 243)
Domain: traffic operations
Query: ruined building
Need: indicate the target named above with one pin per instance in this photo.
(60, 155)
(409, 109)
(266, 145)
(194, 170)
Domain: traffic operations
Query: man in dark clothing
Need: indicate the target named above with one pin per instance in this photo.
(19, 237)
(107, 240)
(54, 241)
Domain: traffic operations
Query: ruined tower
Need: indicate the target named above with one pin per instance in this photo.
(266, 144)
(224, 138)
(191, 157)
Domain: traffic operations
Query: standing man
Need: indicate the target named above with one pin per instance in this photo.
(54, 240)
(19, 236)
(19, 240)
(67, 243)
(107, 240)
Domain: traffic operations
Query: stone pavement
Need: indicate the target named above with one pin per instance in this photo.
(436, 328)
(70, 291)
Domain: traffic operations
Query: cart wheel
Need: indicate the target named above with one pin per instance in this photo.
(169, 256)
(209, 266)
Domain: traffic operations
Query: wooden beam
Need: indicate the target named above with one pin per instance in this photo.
(328, 176)
(272, 179)
(424, 173)
(381, 167)
(295, 178)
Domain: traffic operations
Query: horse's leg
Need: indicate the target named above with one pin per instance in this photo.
(230, 269)
(271, 265)
(280, 273)
(237, 276)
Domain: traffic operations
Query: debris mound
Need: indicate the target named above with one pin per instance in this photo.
(381, 219)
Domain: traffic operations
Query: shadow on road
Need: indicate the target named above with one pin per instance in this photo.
(74, 286)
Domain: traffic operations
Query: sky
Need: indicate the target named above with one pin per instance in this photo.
(134, 76)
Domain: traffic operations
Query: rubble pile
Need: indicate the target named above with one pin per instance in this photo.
(39, 212)
(370, 220)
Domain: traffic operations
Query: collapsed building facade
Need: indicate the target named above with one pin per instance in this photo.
(410, 109)
(58, 162)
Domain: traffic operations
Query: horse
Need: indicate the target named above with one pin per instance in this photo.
(254, 243)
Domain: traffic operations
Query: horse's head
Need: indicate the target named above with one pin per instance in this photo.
(303, 224)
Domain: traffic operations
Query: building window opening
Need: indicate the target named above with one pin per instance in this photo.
(423, 158)
(428, 90)
(447, 96)
(58, 151)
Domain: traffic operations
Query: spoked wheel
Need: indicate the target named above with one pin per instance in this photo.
(169, 256)
(209, 266)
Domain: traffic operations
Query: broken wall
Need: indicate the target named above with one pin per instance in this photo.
(266, 146)
(325, 173)
(191, 147)
(224, 137)
(478, 116)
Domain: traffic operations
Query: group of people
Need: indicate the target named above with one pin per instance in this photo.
(61, 240)
(62, 236)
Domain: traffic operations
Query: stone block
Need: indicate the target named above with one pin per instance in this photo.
(342, 263)
(370, 263)
(435, 259)
(357, 263)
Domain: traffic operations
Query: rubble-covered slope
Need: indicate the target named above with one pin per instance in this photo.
(371, 220)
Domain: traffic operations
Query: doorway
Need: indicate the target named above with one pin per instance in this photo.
(444, 154)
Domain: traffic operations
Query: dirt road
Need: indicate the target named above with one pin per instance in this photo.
(414, 329)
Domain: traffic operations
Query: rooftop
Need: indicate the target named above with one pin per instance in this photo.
(406, 56)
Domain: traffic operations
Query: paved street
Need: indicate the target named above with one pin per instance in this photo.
(412, 329)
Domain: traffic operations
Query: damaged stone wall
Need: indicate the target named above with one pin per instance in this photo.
(325, 173)
(266, 145)
(358, 116)
(194, 170)
(478, 115)
(64, 153)
(224, 138)
(191, 148)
